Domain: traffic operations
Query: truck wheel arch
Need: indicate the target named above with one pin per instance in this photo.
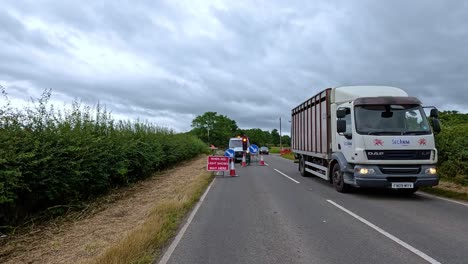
(339, 158)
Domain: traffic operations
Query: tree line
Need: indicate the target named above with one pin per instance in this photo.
(217, 129)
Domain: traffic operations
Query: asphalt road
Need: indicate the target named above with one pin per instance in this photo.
(271, 214)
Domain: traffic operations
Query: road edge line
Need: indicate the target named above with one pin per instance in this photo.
(167, 255)
(388, 235)
(442, 198)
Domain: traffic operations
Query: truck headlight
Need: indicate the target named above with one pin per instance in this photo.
(364, 171)
(431, 171)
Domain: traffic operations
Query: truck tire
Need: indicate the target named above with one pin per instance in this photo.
(338, 181)
(302, 170)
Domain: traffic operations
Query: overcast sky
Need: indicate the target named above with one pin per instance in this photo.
(168, 61)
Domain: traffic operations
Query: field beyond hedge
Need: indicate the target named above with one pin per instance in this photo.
(51, 161)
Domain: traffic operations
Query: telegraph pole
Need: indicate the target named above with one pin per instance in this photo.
(281, 145)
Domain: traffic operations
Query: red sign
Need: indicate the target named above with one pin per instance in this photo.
(217, 163)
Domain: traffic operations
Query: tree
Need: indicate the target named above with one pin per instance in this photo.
(286, 141)
(257, 136)
(275, 137)
(213, 128)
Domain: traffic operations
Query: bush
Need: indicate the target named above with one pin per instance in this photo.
(53, 159)
(452, 145)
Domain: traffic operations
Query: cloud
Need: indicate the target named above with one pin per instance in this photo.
(168, 61)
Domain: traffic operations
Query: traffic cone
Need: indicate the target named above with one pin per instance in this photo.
(243, 161)
(262, 162)
(232, 171)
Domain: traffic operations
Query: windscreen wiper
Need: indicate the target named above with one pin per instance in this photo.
(416, 133)
(384, 133)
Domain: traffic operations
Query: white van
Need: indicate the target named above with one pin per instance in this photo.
(236, 145)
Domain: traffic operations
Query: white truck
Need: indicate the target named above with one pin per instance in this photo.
(366, 136)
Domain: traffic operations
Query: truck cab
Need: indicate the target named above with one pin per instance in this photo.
(386, 141)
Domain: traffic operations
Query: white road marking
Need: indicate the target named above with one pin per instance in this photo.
(181, 233)
(266, 164)
(385, 233)
(286, 176)
(442, 198)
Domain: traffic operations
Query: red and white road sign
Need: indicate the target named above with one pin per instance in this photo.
(217, 163)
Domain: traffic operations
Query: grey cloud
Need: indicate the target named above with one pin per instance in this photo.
(254, 64)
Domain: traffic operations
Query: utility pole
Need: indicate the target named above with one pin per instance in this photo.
(281, 145)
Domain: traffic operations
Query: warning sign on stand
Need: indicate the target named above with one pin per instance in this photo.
(217, 163)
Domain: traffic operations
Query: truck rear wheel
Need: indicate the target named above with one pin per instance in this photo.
(302, 170)
(338, 180)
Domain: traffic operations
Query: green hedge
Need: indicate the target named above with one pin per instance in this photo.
(51, 159)
(452, 144)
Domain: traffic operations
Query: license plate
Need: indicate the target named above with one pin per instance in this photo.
(402, 185)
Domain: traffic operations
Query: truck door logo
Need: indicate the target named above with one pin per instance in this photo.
(378, 142)
(422, 142)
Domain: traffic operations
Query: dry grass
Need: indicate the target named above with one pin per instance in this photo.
(141, 245)
(449, 190)
(114, 222)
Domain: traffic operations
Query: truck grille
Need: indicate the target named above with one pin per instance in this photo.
(400, 170)
(398, 154)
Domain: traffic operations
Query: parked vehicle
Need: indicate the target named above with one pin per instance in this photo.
(236, 144)
(366, 136)
(264, 150)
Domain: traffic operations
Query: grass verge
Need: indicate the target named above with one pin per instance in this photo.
(289, 156)
(144, 244)
(443, 191)
(275, 150)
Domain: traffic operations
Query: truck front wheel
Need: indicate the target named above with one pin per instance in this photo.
(338, 180)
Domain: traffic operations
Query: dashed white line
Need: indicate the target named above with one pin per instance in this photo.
(181, 233)
(286, 176)
(388, 235)
(266, 164)
(441, 198)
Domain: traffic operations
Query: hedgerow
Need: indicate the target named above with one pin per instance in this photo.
(452, 144)
(53, 159)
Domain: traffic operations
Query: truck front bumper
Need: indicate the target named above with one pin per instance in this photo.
(379, 179)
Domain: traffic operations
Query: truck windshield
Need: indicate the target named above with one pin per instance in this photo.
(391, 120)
(235, 143)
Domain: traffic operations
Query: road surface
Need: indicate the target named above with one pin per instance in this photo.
(271, 214)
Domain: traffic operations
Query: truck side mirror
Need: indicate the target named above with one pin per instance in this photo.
(434, 113)
(340, 125)
(436, 124)
(340, 113)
